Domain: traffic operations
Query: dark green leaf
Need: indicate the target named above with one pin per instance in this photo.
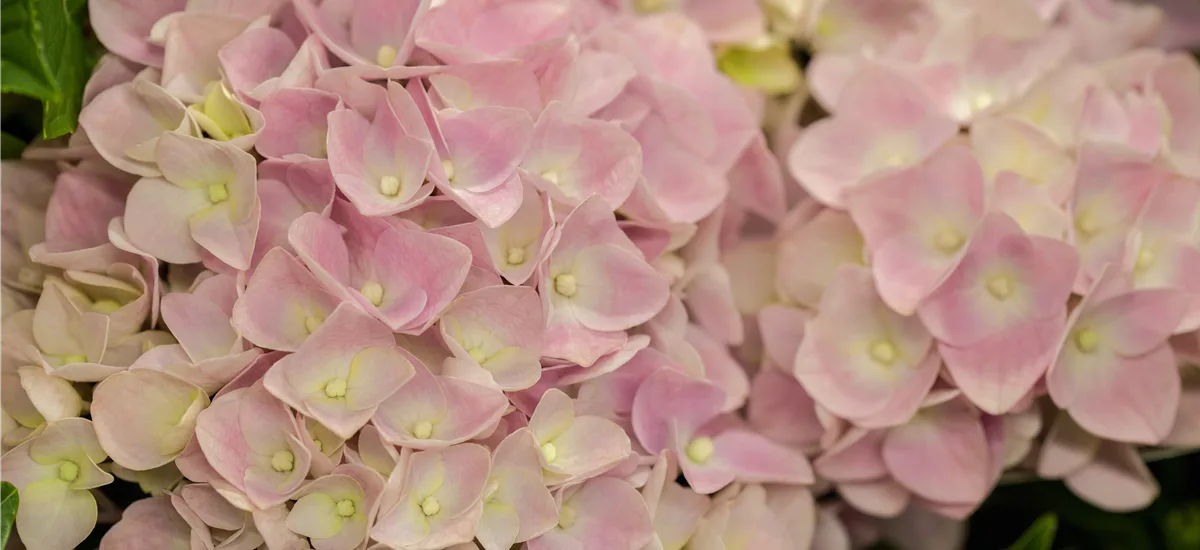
(64, 45)
(24, 68)
(46, 55)
(1039, 536)
(10, 148)
(9, 501)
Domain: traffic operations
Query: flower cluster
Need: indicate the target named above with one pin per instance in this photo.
(352, 274)
(1004, 229)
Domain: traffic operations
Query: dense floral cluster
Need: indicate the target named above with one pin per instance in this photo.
(352, 274)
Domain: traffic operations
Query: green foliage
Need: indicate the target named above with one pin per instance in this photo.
(9, 500)
(44, 54)
(1181, 527)
(1039, 536)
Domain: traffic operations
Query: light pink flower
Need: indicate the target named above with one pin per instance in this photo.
(335, 511)
(1161, 248)
(126, 121)
(1112, 186)
(286, 190)
(144, 418)
(1114, 372)
(53, 473)
(365, 261)
(214, 521)
(282, 304)
(1008, 288)
(517, 506)
(77, 218)
(251, 439)
(917, 222)
(945, 455)
(296, 123)
(435, 499)
(379, 164)
(594, 285)
(572, 158)
(262, 60)
(1009, 144)
(810, 254)
(206, 201)
(210, 352)
(743, 522)
(147, 524)
(343, 372)
(495, 334)
(672, 411)
(433, 411)
(474, 30)
(882, 120)
(574, 446)
(517, 246)
(1107, 474)
(366, 32)
(602, 513)
(861, 360)
(474, 165)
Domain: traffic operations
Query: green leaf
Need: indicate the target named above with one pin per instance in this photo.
(1039, 536)
(9, 500)
(24, 68)
(10, 148)
(71, 63)
(45, 55)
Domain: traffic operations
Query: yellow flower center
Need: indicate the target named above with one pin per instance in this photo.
(1086, 340)
(423, 429)
(649, 6)
(345, 508)
(105, 306)
(1145, 260)
(565, 285)
(489, 491)
(448, 168)
(566, 517)
(69, 359)
(389, 186)
(883, 352)
(699, 450)
(947, 240)
(897, 159)
(336, 388)
(385, 56)
(312, 323)
(430, 506)
(1086, 225)
(217, 193)
(478, 355)
(550, 176)
(320, 446)
(982, 100)
(283, 461)
(1000, 287)
(549, 451)
(68, 471)
(515, 256)
(373, 292)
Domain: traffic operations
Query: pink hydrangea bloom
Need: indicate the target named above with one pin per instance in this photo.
(600, 274)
